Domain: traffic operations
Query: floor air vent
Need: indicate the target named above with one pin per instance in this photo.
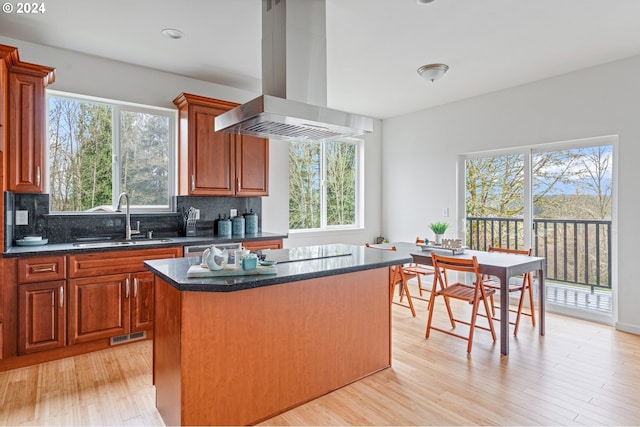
(121, 339)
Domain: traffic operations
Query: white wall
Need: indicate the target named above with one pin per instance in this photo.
(423, 148)
(94, 76)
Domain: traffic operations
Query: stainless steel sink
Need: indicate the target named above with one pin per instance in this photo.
(107, 244)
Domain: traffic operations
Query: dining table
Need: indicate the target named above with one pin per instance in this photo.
(500, 265)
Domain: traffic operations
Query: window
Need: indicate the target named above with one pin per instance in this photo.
(324, 184)
(99, 148)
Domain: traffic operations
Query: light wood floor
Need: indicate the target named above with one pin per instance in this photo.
(580, 373)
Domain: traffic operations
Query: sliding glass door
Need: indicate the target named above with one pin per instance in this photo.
(557, 200)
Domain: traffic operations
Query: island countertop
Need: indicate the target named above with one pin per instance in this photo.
(329, 261)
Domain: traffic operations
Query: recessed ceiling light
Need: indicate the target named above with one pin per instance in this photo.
(424, 1)
(172, 33)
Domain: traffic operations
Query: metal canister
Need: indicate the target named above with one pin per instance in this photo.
(251, 222)
(238, 224)
(224, 227)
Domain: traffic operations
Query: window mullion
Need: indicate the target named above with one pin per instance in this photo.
(323, 184)
(115, 143)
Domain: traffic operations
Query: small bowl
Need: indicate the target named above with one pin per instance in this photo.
(268, 263)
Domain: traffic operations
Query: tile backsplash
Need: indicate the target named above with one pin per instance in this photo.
(69, 227)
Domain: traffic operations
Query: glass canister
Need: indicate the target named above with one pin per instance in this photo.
(251, 222)
(224, 227)
(237, 224)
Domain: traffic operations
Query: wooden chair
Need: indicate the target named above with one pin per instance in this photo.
(416, 270)
(397, 276)
(473, 294)
(524, 287)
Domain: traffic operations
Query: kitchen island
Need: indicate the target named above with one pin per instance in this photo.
(239, 350)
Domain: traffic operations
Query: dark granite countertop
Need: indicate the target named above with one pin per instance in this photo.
(68, 248)
(174, 271)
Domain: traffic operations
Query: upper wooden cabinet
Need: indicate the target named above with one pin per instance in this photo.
(216, 163)
(26, 125)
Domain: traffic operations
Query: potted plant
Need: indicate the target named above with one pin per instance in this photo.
(438, 229)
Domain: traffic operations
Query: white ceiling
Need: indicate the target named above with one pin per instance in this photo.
(374, 46)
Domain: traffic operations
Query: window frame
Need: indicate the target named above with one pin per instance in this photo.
(117, 107)
(359, 189)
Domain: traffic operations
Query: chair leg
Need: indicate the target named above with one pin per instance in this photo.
(405, 289)
(531, 303)
(472, 326)
(489, 318)
(493, 306)
(432, 299)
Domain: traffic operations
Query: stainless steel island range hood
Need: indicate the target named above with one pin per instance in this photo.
(294, 80)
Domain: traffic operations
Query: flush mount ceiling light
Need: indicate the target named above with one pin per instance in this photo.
(424, 1)
(432, 72)
(172, 33)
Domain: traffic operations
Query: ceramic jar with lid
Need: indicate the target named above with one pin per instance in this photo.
(224, 227)
(237, 225)
(251, 222)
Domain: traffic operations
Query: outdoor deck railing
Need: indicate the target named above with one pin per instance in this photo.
(577, 251)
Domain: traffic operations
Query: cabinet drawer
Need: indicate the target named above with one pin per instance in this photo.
(41, 269)
(102, 263)
(258, 245)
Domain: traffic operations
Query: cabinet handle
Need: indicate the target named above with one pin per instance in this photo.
(135, 287)
(38, 176)
(126, 288)
(193, 181)
(61, 297)
(48, 269)
(237, 184)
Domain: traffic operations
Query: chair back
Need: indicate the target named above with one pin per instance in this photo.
(390, 248)
(510, 251)
(458, 264)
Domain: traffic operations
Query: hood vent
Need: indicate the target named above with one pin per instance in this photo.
(294, 80)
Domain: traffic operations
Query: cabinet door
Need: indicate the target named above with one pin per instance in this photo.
(252, 166)
(211, 154)
(98, 307)
(26, 133)
(142, 302)
(41, 316)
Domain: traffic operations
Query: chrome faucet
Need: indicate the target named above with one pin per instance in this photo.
(127, 228)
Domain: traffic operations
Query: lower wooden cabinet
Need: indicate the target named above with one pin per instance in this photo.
(41, 316)
(103, 305)
(107, 306)
(142, 302)
(98, 307)
(41, 303)
(258, 245)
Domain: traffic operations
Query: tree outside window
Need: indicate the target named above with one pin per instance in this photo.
(98, 149)
(323, 184)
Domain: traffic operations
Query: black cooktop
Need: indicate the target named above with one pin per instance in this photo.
(306, 253)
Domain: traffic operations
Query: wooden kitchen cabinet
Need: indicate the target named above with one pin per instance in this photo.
(252, 166)
(258, 245)
(142, 302)
(41, 316)
(26, 124)
(41, 303)
(111, 294)
(216, 163)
